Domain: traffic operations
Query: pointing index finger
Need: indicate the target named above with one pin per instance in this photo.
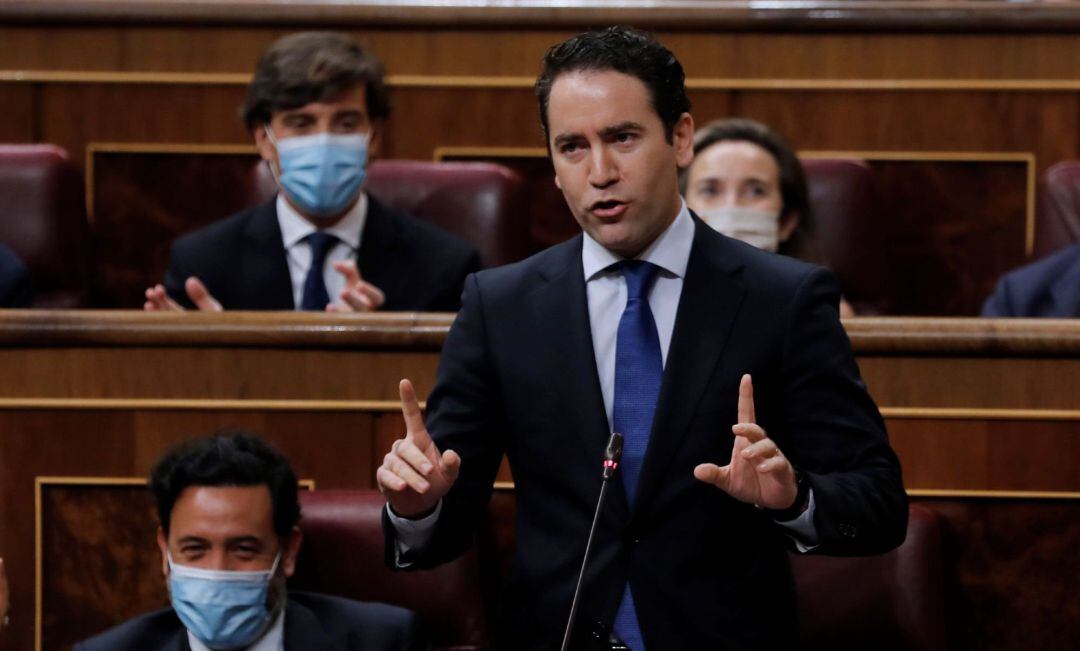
(414, 419)
(746, 400)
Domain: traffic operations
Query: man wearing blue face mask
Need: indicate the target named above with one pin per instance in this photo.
(229, 538)
(315, 108)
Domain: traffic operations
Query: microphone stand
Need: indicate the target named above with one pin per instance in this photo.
(612, 454)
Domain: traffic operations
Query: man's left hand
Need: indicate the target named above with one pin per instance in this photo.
(358, 295)
(759, 473)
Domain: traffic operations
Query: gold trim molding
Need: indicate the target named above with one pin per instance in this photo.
(188, 404)
(526, 83)
(950, 413)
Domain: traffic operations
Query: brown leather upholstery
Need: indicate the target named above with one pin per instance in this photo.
(1057, 219)
(848, 232)
(482, 203)
(43, 219)
(342, 554)
(891, 602)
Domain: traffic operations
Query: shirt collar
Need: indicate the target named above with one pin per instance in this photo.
(272, 640)
(670, 251)
(295, 228)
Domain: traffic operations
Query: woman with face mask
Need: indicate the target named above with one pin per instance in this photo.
(747, 183)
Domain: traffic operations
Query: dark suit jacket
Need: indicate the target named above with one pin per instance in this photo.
(241, 259)
(1047, 288)
(16, 289)
(312, 623)
(518, 375)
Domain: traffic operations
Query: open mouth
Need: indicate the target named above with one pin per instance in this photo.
(609, 208)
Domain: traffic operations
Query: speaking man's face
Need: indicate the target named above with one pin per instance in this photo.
(612, 161)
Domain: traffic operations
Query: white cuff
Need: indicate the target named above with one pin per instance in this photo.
(412, 535)
(803, 531)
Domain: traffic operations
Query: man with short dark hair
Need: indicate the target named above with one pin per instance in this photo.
(229, 509)
(649, 324)
(316, 108)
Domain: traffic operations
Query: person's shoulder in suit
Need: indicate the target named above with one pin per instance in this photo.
(16, 289)
(1028, 291)
(154, 631)
(358, 625)
(437, 261)
(209, 247)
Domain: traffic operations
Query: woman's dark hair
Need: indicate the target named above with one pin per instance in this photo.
(626, 50)
(229, 458)
(313, 67)
(793, 189)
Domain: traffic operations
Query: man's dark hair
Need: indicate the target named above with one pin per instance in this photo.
(313, 67)
(626, 50)
(229, 458)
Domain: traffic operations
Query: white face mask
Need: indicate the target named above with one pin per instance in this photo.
(760, 228)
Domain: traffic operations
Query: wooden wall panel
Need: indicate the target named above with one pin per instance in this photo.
(976, 454)
(17, 107)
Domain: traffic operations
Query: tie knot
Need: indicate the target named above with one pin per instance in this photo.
(320, 243)
(639, 275)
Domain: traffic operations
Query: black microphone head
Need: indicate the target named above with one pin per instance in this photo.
(612, 454)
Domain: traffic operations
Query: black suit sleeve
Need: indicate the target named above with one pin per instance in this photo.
(834, 431)
(176, 274)
(464, 415)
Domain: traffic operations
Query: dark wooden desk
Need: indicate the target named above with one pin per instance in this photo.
(983, 414)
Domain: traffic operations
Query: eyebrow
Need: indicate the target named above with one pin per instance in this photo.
(621, 127)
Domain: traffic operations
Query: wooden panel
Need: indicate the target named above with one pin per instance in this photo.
(17, 107)
(974, 454)
(141, 202)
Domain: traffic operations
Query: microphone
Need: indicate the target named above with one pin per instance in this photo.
(612, 455)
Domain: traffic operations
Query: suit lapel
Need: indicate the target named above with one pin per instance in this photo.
(708, 307)
(264, 264)
(1066, 292)
(376, 257)
(303, 631)
(571, 359)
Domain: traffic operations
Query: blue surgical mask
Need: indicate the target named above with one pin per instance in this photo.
(223, 609)
(321, 173)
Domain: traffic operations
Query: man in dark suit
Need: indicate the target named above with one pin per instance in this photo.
(229, 509)
(649, 324)
(316, 107)
(1046, 288)
(16, 289)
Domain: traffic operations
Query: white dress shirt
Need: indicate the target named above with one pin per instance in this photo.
(605, 289)
(272, 640)
(294, 230)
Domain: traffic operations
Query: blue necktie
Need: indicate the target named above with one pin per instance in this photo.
(638, 372)
(315, 296)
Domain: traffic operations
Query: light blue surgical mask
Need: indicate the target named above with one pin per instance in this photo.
(223, 609)
(321, 173)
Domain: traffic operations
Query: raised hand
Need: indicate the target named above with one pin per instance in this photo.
(414, 475)
(759, 473)
(158, 301)
(358, 295)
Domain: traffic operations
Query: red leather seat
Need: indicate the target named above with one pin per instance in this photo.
(846, 233)
(343, 553)
(43, 219)
(482, 203)
(890, 602)
(1057, 218)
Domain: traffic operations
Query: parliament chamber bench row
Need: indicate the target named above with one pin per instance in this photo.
(108, 259)
(982, 414)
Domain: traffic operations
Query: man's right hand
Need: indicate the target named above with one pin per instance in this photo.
(414, 475)
(157, 300)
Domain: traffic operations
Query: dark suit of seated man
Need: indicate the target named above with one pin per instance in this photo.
(1046, 288)
(229, 539)
(16, 289)
(315, 108)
